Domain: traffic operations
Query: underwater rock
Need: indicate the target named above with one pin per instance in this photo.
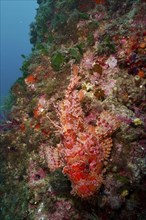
(73, 145)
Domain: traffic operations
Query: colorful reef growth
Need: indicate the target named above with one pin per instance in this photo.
(84, 149)
(73, 132)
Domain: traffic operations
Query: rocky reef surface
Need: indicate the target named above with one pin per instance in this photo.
(73, 130)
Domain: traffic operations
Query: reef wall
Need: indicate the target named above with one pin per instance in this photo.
(73, 133)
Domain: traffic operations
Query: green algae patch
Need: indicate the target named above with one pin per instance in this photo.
(75, 53)
(122, 179)
(57, 61)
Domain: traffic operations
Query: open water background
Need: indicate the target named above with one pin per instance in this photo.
(15, 18)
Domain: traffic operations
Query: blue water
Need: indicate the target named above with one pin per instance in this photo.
(16, 16)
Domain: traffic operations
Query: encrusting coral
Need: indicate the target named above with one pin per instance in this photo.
(83, 150)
